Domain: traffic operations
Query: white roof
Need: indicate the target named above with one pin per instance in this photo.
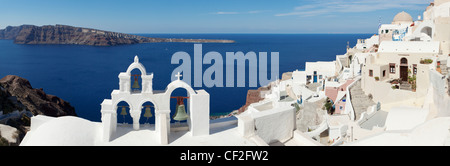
(340, 95)
(409, 47)
(360, 57)
(393, 26)
(75, 131)
(405, 118)
(434, 132)
(63, 131)
(322, 66)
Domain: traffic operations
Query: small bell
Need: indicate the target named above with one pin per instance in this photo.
(180, 114)
(135, 84)
(147, 113)
(124, 111)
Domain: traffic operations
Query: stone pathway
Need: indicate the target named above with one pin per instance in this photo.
(360, 101)
(313, 86)
(311, 115)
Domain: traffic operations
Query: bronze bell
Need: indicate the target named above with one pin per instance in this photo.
(124, 111)
(180, 114)
(148, 113)
(136, 85)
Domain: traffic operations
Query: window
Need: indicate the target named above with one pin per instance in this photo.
(415, 69)
(404, 61)
(392, 68)
(384, 73)
(371, 73)
(320, 76)
(341, 108)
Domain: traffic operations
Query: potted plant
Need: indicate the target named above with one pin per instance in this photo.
(438, 69)
(395, 81)
(377, 78)
(412, 81)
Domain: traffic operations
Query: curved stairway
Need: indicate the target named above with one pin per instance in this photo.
(360, 100)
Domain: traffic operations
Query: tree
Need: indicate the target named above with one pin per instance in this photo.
(328, 106)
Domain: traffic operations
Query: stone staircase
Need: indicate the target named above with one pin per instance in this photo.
(405, 86)
(448, 85)
(444, 69)
(360, 101)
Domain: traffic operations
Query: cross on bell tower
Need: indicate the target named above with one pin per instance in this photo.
(178, 75)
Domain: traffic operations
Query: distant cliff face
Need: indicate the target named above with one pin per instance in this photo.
(253, 96)
(63, 34)
(10, 32)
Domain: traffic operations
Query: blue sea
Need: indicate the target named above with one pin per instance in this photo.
(86, 75)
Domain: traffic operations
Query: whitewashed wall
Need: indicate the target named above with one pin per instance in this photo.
(440, 96)
(271, 125)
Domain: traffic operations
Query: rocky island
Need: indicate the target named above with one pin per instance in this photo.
(64, 34)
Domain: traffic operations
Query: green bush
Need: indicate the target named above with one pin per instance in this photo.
(328, 106)
(426, 61)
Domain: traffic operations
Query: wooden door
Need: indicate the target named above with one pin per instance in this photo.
(404, 73)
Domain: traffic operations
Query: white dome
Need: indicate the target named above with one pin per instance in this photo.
(64, 131)
(402, 17)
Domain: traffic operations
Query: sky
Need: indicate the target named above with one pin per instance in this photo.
(211, 16)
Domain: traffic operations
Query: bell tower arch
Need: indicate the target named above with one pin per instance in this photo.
(198, 105)
(125, 78)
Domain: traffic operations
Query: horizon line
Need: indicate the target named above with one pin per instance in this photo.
(259, 33)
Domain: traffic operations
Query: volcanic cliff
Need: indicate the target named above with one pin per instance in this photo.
(19, 101)
(64, 34)
(34, 100)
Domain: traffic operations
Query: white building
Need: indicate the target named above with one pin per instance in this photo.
(398, 29)
(299, 77)
(363, 44)
(402, 59)
(317, 71)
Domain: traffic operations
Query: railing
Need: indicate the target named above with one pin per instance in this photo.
(338, 142)
(441, 99)
(349, 105)
(322, 127)
(366, 115)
